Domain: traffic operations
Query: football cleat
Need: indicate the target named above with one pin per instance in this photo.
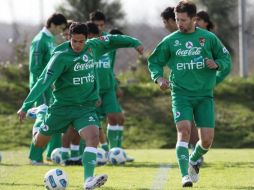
(186, 181)
(95, 181)
(193, 171)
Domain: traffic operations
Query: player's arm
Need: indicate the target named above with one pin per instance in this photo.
(48, 76)
(109, 43)
(222, 58)
(37, 51)
(157, 60)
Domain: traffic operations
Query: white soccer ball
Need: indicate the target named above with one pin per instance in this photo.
(55, 179)
(56, 156)
(102, 157)
(117, 156)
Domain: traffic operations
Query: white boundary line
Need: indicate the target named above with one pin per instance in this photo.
(161, 177)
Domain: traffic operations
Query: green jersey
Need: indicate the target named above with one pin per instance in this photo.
(41, 49)
(184, 54)
(105, 65)
(74, 74)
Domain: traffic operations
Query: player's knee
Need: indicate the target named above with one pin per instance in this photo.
(206, 143)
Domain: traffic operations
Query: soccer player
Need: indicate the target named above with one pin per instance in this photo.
(73, 73)
(168, 18)
(203, 21)
(194, 56)
(109, 105)
(40, 52)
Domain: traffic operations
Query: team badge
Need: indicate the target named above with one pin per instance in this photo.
(104, 38)
(189, 45)
(202, 41)
(85, 58)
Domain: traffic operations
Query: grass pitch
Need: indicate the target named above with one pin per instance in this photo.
(152, 169)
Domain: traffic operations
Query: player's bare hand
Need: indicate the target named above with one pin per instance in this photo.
(163, 83)
(21, 115)
(211, 64)
(140, 49)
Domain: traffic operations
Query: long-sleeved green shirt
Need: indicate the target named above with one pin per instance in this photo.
(184, 54)
(74, 74)
(41, 49)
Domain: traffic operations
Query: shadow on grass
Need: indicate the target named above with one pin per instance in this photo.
(229, 165)
(146, 165)
(16, 185)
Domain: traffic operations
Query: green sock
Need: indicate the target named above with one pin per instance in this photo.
(112, 134)
(89, 161)
(82, 146)
(182, 154)
(75, 151)
(55, 142)
(65, 153)
(197, 153)
(120, 136)
(105, 147)
(36, 153)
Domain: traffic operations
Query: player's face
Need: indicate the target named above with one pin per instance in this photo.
(57, 29)
(169, 25)
(100, 24)
(201, 23)
(77, 42)
(185, 23)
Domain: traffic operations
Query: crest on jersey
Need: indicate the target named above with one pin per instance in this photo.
(202, 41)
(189, 45)
(104, 38)
(85, 58)
(178, 114)
(45, 128)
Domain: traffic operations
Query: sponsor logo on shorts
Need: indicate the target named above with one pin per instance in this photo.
(178, 114)
(45, 128)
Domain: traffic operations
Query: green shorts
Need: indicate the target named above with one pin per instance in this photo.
(201, 109)
(58, 119)
(109, 103)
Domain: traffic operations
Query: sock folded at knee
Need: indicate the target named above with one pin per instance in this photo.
(197, 153)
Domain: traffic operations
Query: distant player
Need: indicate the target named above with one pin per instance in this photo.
(109, 103)
(194, 56)
(40, 51)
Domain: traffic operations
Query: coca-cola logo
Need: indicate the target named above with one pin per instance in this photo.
(189, 52)
(81, 67)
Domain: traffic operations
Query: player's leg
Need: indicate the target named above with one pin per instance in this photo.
(183, 116)
(55, 142)
(36, 153)
(204, 116)
(88, 127)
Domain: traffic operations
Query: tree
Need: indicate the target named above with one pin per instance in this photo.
(78, 10)
(224, 15)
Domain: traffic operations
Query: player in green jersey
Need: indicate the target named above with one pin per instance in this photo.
(73, 73)
(110, 105)
(40, 52)
(168, 18)
(194, 56)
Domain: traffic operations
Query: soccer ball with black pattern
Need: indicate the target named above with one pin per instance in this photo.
(101, 157)
(56, 156)
(56, 179)
(117, 156)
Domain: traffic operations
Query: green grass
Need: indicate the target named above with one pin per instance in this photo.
(223, 169)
